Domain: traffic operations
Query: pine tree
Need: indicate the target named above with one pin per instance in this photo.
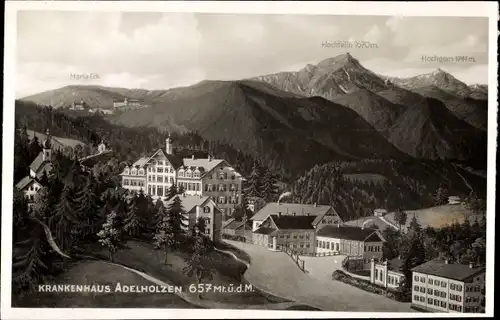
(175, 213)
(195, 266)
(269, 186)
(111, 235)
(181, 190)
(64, 221)
(172, 191)
(401, 217)
(165, 233)
(87, 207)
(132, 223)
(441, 196)
(253, 188)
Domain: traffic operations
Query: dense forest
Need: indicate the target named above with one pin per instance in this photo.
(77, 209)
(355, 190)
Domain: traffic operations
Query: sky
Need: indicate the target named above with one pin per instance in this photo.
(151, 50)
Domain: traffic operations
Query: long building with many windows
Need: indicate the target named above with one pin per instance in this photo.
(439, 286)
(209, 177)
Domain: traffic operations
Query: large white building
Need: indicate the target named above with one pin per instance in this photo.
(209, 177)
(439, 286)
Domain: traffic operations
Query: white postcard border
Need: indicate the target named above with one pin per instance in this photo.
(470, 9)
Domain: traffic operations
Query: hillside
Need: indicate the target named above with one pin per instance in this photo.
(58, 142)
(439, 78)
(429, 130)
(329, 78)
(474, 112)
(407, 185)
(269, 124)
(375, 109)
(439, 216)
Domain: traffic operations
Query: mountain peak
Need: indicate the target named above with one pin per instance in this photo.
(340, 60)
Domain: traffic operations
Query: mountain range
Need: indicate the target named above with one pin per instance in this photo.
(334, 110)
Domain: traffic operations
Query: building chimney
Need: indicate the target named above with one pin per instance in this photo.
(294, 214)
(209, 158)
(315, 205)
(471, 265)
(192, 157)
(446, 261)
(279, 214)
(278, 202)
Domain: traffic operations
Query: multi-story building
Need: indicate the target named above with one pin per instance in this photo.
(324, 215)
(440, 286)
(352, 241)
(77, 105)
(208, 177)
(201, 207)
(386, 274)
(295, 232)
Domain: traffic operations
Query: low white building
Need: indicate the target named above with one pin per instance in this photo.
(386, 274)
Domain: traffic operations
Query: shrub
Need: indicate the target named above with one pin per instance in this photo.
(340, 275)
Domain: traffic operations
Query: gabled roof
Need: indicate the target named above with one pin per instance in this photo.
(91, 160)
(207, 164)
(284, 222)
(453, 271)
(38, 162)
(189, 202)
(348, 233)
(26, 181)
(265, 230)
(141, 162)
(237, 225)
(174, 160)
(299, 209)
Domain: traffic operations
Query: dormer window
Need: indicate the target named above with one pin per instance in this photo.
(134, 171)
(188, 174)
(141, 171)
(196, 174)
(126, 171)
(181, 173)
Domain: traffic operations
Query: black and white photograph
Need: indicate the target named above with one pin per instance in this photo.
(176, 160)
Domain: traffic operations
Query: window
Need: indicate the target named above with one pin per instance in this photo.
(188, 174)
(171, 180)
(125, 182)
(429, 300)
(127, 171)
(196, 174)
(206, 209)
(422, 279)
(459, 287)
(436, 282)
(430, 281)
(308, 245)
(159, 178)
(317, 244)
(429, 291)
(452, 286)
(443, 294)
(159, 170)
(160, 191)
(134, 171)
(416, 288)
(181, 173)
(443, 284)
(422, 289)
(141, 171)
(443, 304)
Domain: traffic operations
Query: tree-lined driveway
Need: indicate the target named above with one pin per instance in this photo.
(275, 272)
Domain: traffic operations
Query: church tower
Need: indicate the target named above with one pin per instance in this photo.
(169, 146)
(47, 147)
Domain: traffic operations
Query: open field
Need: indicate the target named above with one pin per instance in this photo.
(226, 271)
(100, 273)
(65, 142)
(437, 216)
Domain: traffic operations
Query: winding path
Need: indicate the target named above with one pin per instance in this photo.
(189, 297)
(273, 272)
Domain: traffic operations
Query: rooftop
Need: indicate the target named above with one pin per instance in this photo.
(38, 162)
(236, 225)
(368, 221)
(293, 222)
(265, 230)
(188, 202)
(289, 209)
(24, 182)
(348, 233)
(207, 164)
(453, 271)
